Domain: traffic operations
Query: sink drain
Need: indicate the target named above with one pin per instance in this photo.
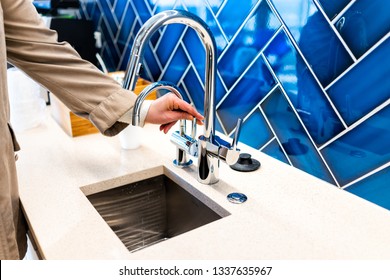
(237, 198)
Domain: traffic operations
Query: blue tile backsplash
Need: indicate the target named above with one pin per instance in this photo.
(310, 78)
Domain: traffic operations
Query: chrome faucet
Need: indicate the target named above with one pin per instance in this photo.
(209, 148)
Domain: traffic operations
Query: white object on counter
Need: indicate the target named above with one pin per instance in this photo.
(27, 107)
(130, 137)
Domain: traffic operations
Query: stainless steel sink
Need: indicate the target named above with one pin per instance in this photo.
(146, 212)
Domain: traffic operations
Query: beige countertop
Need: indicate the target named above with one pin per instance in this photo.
(289, 214)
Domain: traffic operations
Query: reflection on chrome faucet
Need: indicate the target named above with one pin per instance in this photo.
(210, 148)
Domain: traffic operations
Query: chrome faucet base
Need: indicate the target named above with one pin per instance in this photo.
(182, 165)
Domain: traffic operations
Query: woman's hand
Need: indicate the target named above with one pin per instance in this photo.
(168, 109)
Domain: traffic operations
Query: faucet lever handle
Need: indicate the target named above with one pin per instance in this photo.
(236, 134)
(193, 128)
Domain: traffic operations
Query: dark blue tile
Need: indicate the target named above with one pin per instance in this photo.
(109, 17)
(125, 58)
(215, 5)
(110, 1)
(365, 87)
(273, 149)
(253, 36)
(218, 126)
(233, 15)
(203, 12)
(303, 91)
(333, 7)
(109, 40)
(176, 67)
(375, 188)
(142, 10)
(196, 51)
(127, 25)
(255, 131)
(195, 90)
(364, 24)
(361, 150)
(120, 9)
(151, 62)
(108, 59)
(90, 7)
(168, 41)
(184, 93)
(319, 44)
(96, 16)
(247, 94)
(296, 143)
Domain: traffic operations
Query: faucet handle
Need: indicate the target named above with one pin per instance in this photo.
(236, 134)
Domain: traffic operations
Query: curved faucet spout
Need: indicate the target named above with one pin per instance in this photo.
(188, 19)
(148, 90)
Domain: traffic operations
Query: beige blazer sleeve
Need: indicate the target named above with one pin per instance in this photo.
(34, 49)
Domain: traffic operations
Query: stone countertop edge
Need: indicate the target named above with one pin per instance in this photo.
(289, 214)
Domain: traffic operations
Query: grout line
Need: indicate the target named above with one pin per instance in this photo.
(255, 59)
(319, 7)
(221, 8)
(268, 143)
(367, 53)
(217, 22)
(275, 136)
(357, 123)
(221, 123)
(342, 12)
(376, 170)
(167, 64)
(254, 9)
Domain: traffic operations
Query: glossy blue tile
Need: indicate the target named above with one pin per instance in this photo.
(109, 40)
(108, 58)
(273, 149)
(128, 22)
(184, 92)
(215, 5)
(168, 41)
(142, 10)
(257, 31)
(109, 16)
(361, 150)
(290, 133)
(255, 131)
(333, 7)
(196, 51)
(247, 94)
(319, 44)
(96, 16)
(203, 12)
(375, 188)
(365, 87)
(176, 67)
(233, 15)
(152, 64)
(303, 91)
(120, 9)
(364, 24)
(90, 8)
(195, 89)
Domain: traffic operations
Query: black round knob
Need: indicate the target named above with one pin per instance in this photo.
(246, 163)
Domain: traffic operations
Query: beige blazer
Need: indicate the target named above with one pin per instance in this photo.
(26, 43)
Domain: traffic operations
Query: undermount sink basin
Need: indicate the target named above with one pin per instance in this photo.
(149, 211)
